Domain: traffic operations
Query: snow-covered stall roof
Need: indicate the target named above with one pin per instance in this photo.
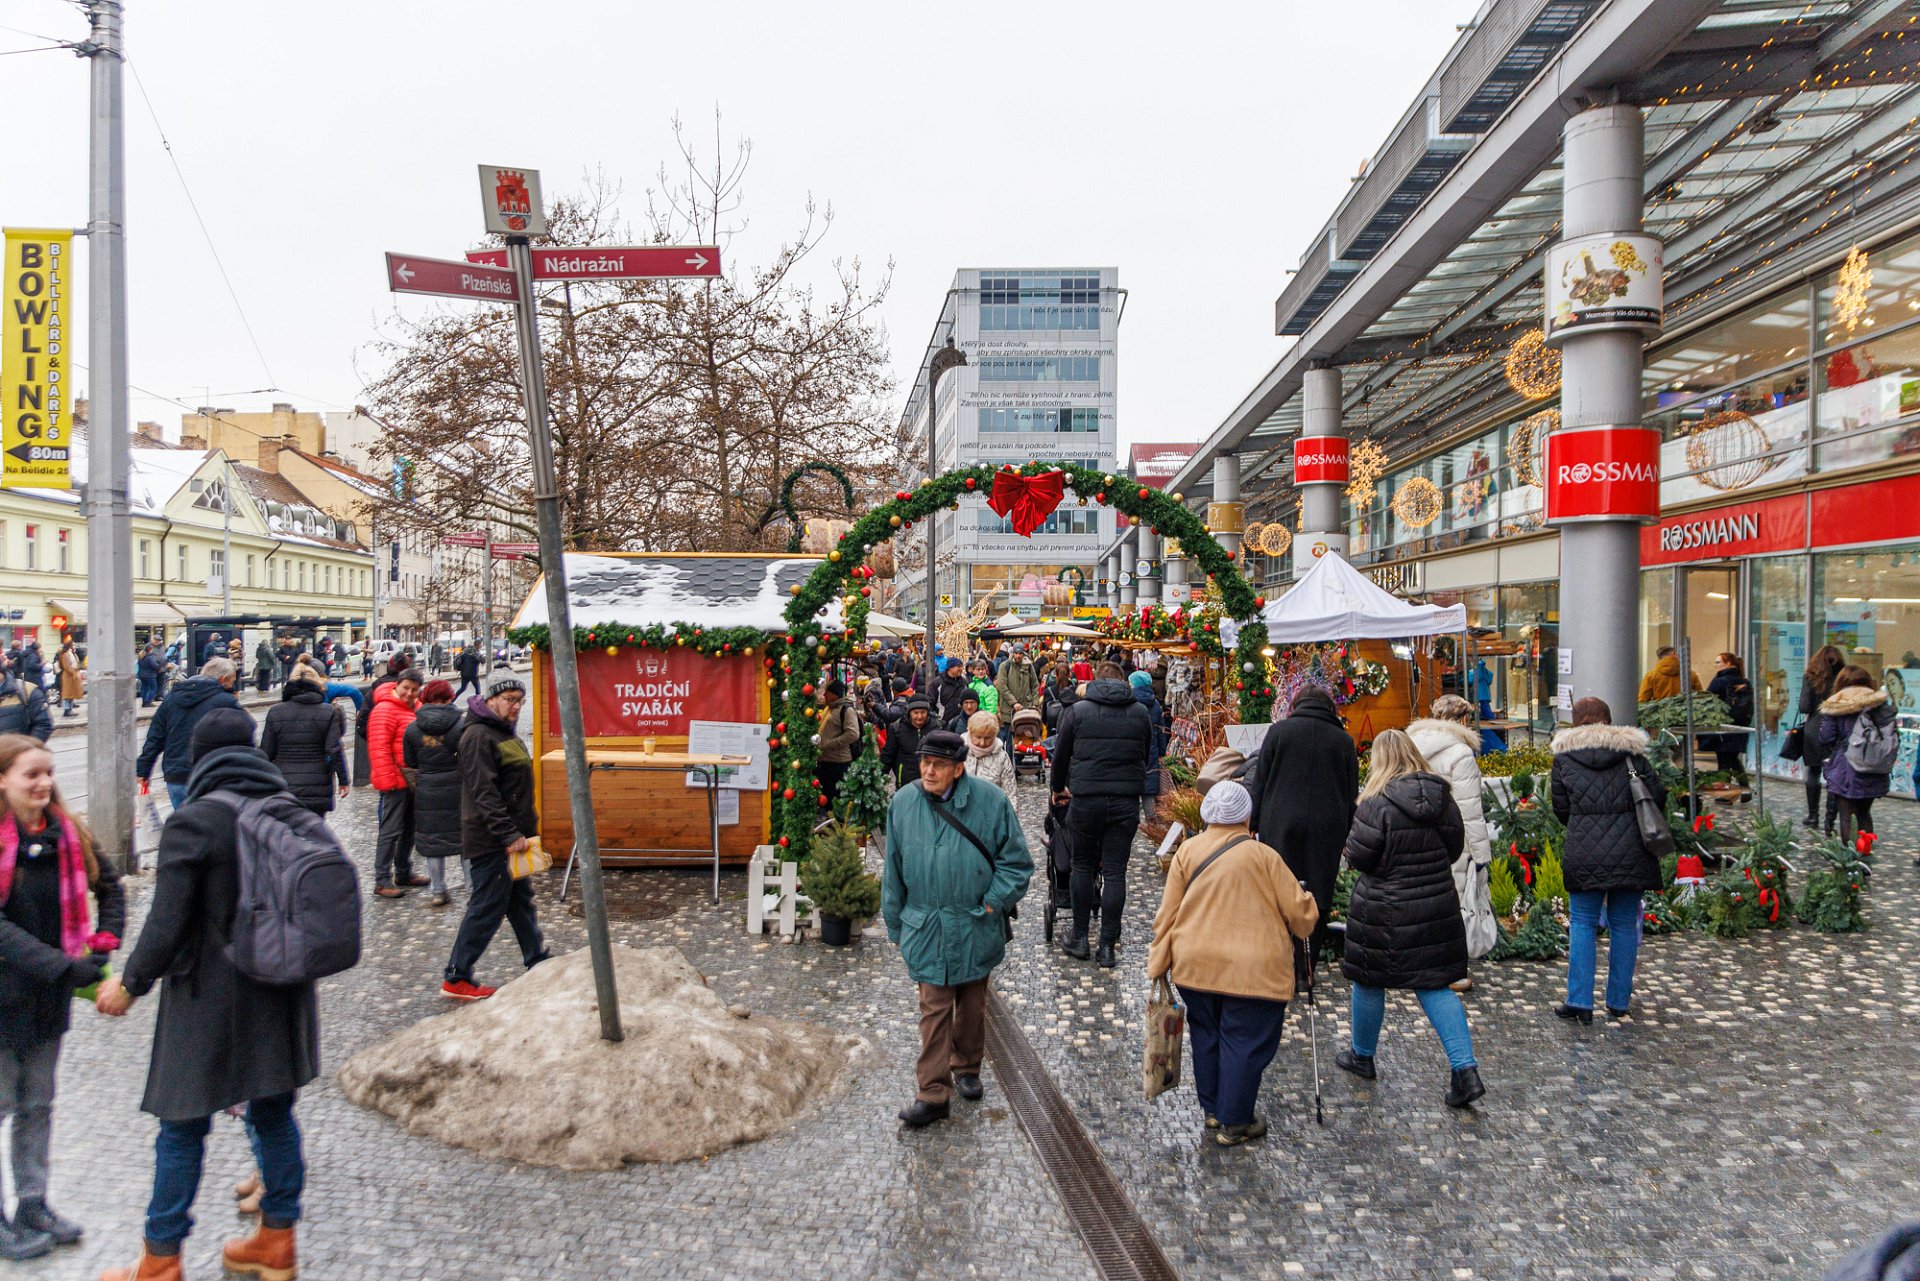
(706, 591)
(1334, 601)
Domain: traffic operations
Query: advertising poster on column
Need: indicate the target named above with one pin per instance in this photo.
(33, 359)
(639, 693)
(1604, 282)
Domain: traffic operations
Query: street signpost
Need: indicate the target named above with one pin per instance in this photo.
(616, 262)
(449, 278)
(465, 540)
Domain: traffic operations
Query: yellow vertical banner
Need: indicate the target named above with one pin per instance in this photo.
(34, 390)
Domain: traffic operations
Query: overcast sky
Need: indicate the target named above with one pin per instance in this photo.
(1194, 146)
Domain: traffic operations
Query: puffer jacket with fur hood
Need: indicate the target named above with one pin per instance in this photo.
(1837, 717)
(1403, 922)
(1450, 751)
(1592, 796)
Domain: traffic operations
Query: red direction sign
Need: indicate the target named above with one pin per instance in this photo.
(622, 262)
(465, 540)
(516, 549)
(411, 275)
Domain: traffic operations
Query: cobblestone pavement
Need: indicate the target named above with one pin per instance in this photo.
(1753, 1120)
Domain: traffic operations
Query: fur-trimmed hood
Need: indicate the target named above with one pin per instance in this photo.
(1852, 701)
(1432, 727)
(1619, 738)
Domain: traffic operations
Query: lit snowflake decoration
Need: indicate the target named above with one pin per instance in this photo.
(1850, 294)
(1365, 466)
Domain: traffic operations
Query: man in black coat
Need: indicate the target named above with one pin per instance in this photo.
(170, 732)
(496, 819)
(1100, 761)
(468, 666)
(951, 689)
(23, 706)
(901, 756)
(303, 737)
(1309, 778)
(200, 1065)
(33, 667)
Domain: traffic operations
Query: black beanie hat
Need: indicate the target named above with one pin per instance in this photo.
(221, 727)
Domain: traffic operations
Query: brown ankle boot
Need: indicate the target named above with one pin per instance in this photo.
(151, 1267)
(267, 1254)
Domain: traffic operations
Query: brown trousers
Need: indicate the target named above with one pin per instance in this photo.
(953, 1036)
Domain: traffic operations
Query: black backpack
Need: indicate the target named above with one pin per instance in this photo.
(298, 916)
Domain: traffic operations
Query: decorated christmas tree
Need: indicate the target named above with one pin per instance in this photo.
(863, 791)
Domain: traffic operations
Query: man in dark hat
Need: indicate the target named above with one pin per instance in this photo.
(839, 737)
(953, 842)
(903, 741)
(969, 704)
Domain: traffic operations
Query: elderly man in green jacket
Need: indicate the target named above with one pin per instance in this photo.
(957, 862)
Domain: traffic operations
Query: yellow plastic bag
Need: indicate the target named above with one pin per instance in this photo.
(529, 861)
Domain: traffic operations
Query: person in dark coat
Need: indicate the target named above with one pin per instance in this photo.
(170, 732)
(1404, 928)
(1731, 686)
(1855, 696)
(1893, 1256)
(1309, 776)
(1815, 684)
(497, 818)
(49, 864)
(303, 737)
(468, 667)
(200, 1065)
(1100, 760)
(263, 665)
(969, 704)
(23, 706)
(1607, 866)
(1059, 693)
(1142, 685)
(430, 756)
(951, 687)
(901, 756)
(146, 674)
(33, 667)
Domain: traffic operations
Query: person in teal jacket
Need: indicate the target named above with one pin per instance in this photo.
(946, 900)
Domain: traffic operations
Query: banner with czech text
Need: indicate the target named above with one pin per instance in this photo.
(34, 391)
(635, 692)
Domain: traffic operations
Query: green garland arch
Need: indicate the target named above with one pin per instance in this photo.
(801, 666)
(785, 502)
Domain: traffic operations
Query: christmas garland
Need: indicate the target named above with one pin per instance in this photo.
(1335, 667)
(804, 666)
(711, 642)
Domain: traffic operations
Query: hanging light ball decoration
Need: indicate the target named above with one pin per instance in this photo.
(1250, 536)
(1850, 289)
(1526, 446)
(1418, 502)
(1276, 539)
(1365, 465)
(1728, 450)
(1533, 368)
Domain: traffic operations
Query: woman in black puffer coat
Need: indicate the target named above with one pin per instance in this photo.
(1404, 927)
(302, 739)
(1606, 864)
(430, 750)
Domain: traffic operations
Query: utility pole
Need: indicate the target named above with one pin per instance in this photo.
(566, 666)
(948, 357)
(486, 607)
(373, 620)
(226, 535)
(110, 686)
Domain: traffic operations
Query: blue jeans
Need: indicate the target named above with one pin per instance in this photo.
(177, 793)
(1623, 911)
(180, 1151)
(1443, 1008)
(1234, 1039)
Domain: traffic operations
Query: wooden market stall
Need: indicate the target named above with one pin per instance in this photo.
(671, 654)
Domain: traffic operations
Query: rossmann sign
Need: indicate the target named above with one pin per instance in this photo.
(1742, 529)
(1320, 458)
(1603, 473)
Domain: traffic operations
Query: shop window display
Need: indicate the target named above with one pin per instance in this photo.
(1777, 657)
(1869, 605)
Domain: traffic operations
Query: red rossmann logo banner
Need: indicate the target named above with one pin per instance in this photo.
(1604, 472)
(635, 692)
(1320, 458)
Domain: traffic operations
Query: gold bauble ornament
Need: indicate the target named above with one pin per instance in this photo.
(833, 556)
(1418, 502)
(613, 651)
(1533, 368)
(894, 521)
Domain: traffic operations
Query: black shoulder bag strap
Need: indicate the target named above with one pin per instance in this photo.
(1211, 857)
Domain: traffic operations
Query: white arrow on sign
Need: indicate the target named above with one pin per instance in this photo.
(405, 274)
(698, 260)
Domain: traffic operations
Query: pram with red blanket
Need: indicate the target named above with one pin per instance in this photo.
(1029, 751)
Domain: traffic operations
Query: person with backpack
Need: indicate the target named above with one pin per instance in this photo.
(303, 737)
(1861, 742)
(497, 818)
(1731, 686)
(956, 865)
(49, 865)
(1605, 861)
(195, 938)
(1403, 920)
(393, 711)
(430, 758)
(1225, 936)
(839, 737)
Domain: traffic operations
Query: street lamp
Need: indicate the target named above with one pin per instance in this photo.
(947, 357)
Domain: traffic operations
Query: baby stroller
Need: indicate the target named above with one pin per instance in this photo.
(1029, 753)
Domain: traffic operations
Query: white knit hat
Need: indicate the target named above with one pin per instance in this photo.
(1226, 803)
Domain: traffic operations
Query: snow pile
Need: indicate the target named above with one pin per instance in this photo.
(526, 1076)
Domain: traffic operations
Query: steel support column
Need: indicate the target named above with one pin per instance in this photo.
(1146, 569)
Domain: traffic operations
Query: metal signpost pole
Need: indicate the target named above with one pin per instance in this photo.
(486, 604)
(110, 685)
(948, 357)
(566, 668)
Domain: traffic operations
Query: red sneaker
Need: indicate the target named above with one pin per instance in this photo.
(465, 991)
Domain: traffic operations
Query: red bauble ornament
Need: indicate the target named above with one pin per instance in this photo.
(806, 689)
(781, 728)
(783, 842)
(1259, 602)
(901, 495)
(1145, 492)
(1239, 684)
(786, 794)
(970, 482)
(866, 591)
(823, 800)
(1229, 555)
(1100, 498)
(591, 640)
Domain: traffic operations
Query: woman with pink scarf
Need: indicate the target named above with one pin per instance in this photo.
(48, 951)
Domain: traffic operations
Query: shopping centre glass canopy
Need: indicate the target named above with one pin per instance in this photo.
(1775, 132)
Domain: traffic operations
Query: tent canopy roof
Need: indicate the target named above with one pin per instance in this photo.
(705, 591)
(1334, 601)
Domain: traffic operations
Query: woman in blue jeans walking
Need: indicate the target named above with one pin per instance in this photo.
(1607, 866)
(1404, 928)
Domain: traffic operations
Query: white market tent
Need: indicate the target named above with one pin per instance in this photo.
(1335, 601)
(1053, 627)
(879, 624)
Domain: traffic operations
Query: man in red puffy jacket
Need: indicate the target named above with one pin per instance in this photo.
(393, 711)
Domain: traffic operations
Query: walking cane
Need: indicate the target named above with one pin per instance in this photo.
(1303, 964)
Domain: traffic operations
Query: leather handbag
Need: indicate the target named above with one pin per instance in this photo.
(1794, 746)
(1655, 835)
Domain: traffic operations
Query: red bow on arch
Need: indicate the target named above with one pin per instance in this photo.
(1027, 501)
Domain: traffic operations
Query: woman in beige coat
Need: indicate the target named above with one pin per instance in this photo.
(1225, 933)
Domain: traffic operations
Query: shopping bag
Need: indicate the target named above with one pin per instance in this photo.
(1166, 1025)
(530, 861)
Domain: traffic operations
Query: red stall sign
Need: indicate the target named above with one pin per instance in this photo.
(1603, 473)
(1320, 458)
(637, 693)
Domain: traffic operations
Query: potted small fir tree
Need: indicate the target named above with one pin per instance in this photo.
(836, 881)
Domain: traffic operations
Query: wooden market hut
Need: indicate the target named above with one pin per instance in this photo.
(632, 690)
